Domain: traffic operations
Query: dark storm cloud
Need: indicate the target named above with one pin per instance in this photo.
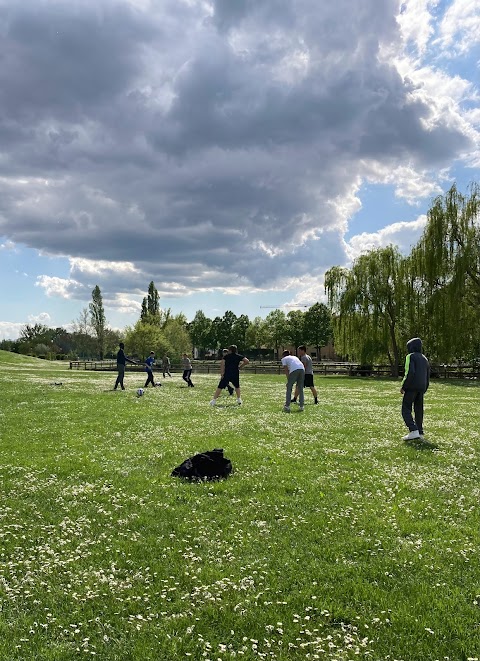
(207, 147)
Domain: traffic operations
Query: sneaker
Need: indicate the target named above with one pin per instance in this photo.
(300, 408)
(286, 409)
(213, 402)
(239, 401)
(411, 436)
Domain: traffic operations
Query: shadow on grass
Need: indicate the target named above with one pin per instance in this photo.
(418, 444)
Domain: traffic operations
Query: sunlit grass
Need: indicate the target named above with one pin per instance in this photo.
(332, 540)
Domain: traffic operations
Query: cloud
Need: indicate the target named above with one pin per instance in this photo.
(460, 27)
(210, 145)
(10, 330)
(402, 234)
(42, 318)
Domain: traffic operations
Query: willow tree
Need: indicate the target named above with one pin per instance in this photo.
(368, 303)
(447, 261)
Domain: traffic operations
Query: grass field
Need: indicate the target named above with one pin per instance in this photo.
(332, 540)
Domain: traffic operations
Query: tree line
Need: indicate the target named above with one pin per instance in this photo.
(161, 331)
(385, 298)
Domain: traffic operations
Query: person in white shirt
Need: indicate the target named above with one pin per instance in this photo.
(295, 373)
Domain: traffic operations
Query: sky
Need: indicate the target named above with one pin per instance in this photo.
(231, 151)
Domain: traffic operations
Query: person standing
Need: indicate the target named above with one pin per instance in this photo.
(222, 359)
(149, 363)
(414, 386)
(295, 373)
(308, 365)
(230, 373)
(187, 370)
(121, 362)
(166, 366)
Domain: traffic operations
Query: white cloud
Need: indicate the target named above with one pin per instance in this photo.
(42, 318)
(416, 23)
(402, 234)
(10, 330)
(54, 286)
(460, 27)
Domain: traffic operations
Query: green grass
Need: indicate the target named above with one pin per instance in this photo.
(333, 539)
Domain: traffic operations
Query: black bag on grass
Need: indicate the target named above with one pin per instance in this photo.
(204, 466)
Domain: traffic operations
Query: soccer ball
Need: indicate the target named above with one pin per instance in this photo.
(140, 392)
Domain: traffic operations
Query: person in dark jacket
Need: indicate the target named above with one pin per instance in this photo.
(121, 361)
(414, 386)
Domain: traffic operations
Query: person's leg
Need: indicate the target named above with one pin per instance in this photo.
(149, 380)
(185, 376)
(407, 402)
(418, 410)
(300, 380)
(294, 398)
(189, 379)
(292, 377)
(314, 393)
(121, 374)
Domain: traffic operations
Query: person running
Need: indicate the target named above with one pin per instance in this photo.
(121, 362)
(295, 373)
(187, 370)
(414, 386)
(308, 365)
(230, 373)
(149, 363)
(166, 366)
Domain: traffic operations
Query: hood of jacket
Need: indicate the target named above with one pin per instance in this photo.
(415, 344)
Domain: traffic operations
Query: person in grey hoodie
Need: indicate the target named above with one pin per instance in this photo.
(414, 386)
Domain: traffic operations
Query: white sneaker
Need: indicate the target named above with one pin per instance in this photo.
(286, 409)
(239, 401)
(411, 436)
(213, 402)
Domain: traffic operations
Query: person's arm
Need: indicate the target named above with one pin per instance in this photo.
(245, 361)
(409, 372)
(222, 367)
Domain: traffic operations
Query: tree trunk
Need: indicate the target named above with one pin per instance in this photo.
(394, 359)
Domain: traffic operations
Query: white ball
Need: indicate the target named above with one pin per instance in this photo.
(140, 392)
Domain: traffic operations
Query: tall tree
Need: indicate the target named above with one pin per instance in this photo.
(143, 338)
(276, 329)
(98, 320)
(200, 331)
(295, 328)
(255, 336)
(239, 331)
(317, 326)
(367, 303)
(446, 262)
(150, 312)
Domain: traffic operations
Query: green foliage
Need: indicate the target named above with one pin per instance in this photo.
(200, 331)
(295, 333)
(177, 336)
(98, 320)
(145, 337)
(317, 326)
(368, 302)
(276, 329)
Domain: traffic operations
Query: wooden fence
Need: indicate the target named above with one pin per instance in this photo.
(324, 369)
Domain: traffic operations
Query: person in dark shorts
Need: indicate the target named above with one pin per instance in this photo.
(308, 364)
(224, 353)
(230, 373)
(149, 363)
(187, 370)
(121, 362)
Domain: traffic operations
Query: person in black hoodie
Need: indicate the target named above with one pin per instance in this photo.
(121, 361)
(414, 386)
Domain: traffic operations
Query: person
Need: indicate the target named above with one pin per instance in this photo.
(149, 363)
(308, 364)
(414, 386)
(230, 373)
(121, 363)
(222, 358)
(166, 366)
(187, 370)
(295, 373)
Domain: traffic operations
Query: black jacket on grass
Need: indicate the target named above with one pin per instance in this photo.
(417, 368)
